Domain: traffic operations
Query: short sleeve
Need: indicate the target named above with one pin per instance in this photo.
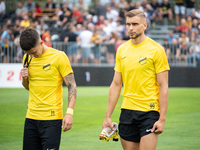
(64, 65)
(118, 62)
(4, 34)
(161, 62)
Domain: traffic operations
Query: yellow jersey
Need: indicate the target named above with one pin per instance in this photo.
(45, 85)
(139, 65)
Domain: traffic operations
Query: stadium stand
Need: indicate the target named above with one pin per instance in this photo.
(108, 32)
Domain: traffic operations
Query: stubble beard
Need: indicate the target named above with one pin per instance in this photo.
(136, 36)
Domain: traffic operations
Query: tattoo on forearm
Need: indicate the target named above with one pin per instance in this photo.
(71, 84)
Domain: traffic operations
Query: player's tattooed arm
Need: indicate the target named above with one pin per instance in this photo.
(71, 84)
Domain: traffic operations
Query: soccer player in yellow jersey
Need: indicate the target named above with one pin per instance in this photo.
(142, 67)
(43, 76)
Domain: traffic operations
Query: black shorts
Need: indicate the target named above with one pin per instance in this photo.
(135, 124)
(42, 135)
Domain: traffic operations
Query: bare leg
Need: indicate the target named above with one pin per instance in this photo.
(149, 142)
(70, 58)
(127, 145)
(75, 59)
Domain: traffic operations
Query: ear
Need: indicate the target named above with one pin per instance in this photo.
(41, 41)
(145, 25)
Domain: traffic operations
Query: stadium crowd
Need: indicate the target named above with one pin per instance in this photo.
(92, 34)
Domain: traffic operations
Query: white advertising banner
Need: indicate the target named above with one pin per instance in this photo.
(10, 76)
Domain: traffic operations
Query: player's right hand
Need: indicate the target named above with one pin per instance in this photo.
(107, 123)
(24, 72)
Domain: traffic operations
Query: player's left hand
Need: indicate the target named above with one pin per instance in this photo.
(67, 122)
(158, 127)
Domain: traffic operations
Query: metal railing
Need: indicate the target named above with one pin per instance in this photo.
(104, 54)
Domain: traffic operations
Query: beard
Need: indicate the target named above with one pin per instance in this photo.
(136, 36)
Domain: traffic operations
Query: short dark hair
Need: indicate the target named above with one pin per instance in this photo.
(136, 12)
(29, 39)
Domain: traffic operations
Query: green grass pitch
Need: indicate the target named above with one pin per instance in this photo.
(182, 128)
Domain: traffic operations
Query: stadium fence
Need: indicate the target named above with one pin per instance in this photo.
(178, 55)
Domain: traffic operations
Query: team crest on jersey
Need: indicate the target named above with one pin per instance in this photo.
(123, 57)
(47, 67)
(143, 60)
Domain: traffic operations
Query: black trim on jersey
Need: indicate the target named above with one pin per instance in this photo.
(26, 60)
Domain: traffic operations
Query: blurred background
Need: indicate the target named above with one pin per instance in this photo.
(90, 31)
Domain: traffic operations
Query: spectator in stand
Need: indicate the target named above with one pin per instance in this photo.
(67, 11)
(183, 26)
(189, 21)
(126, 36)
(131, 5)
(25, 22)
(184, 38)
(76, 16)
(89, 19)
(190, 7)
(42, 27)
(100, 10)
(119, 29)
(107, 28)
(176, 30)
(58, 14)
(111, 13)
(2, 8)
(16, 31)
(37, 12)
(194, 53)
(112, 3)
(144, 3)
(179, 9)
(71, 38)
(101, 33)
(151, 15)
(139, 6)
(18, 51)
(112, 24)
(110, 55)
(172, 49)
(193, 15)
(6, 38)
(29, 5)
(50, 5)
(184, 51)
(171, 36)
(101, 20)
(155, 5)
(197, 13)
(79, 29)
(166, 10)
(85, 37)
(195, 34)
(46, 37)
(50, 8)
(189, 31)
(37, 26)
(118, 42)
(65, 32)
(83, 8)
(17, 24)
(8, 22)
(195, 25)
(122, 4)
(95, 41)
(21, 11)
